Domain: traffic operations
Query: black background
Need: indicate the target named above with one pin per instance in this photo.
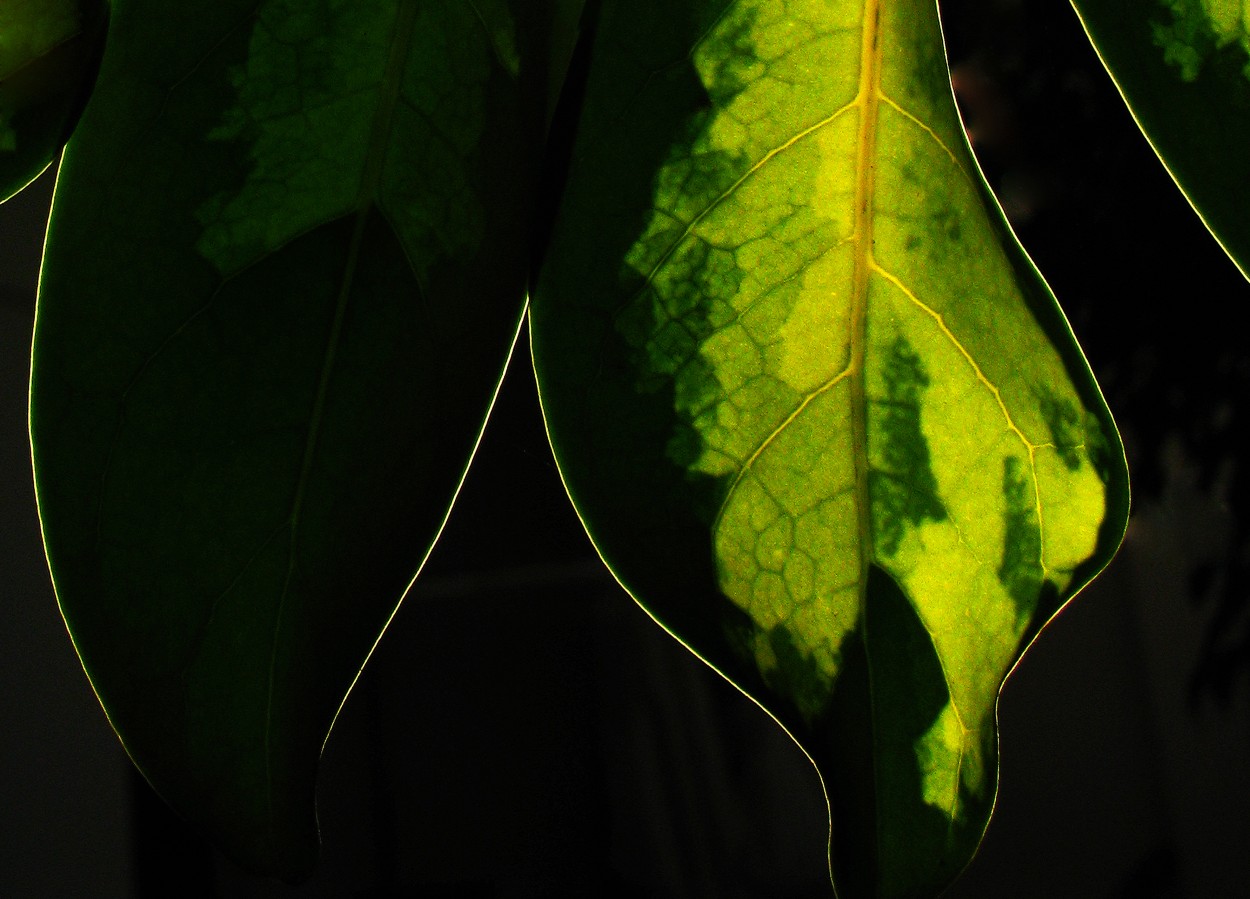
(525, 731)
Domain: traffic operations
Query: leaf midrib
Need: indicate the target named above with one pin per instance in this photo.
(867, 99)
(366, 198)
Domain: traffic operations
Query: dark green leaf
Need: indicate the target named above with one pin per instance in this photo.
(49, 53)
(1183, 66)
(286, 264)
(818, 411)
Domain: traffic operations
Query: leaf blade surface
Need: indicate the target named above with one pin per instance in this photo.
(816, 408)
(286, 267)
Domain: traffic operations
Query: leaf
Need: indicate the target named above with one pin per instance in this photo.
(286, 265)
(1183, 66)
(818, 412)
(49, 53)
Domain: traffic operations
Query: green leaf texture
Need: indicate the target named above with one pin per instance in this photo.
(49, 53)
(818, 411)
(1183, 66)
(286, 265)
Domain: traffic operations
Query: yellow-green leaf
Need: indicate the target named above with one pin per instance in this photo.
(817, 409)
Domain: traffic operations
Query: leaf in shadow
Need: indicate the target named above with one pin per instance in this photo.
(286, 266)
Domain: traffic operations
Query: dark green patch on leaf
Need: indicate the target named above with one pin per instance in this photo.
(1021, 570)
(901, 482)
(1066, 426)
(798, 675)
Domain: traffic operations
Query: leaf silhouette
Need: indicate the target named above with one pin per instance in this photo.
(818, 411)
(49, 53)
(286, 265)
(1183, 66)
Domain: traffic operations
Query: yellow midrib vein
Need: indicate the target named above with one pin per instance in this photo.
(867, 99)
(370, 180)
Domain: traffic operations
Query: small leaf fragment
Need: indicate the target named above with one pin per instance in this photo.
(1183, 67)
(49, 53)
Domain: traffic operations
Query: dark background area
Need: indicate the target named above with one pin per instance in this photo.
(525, 731)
